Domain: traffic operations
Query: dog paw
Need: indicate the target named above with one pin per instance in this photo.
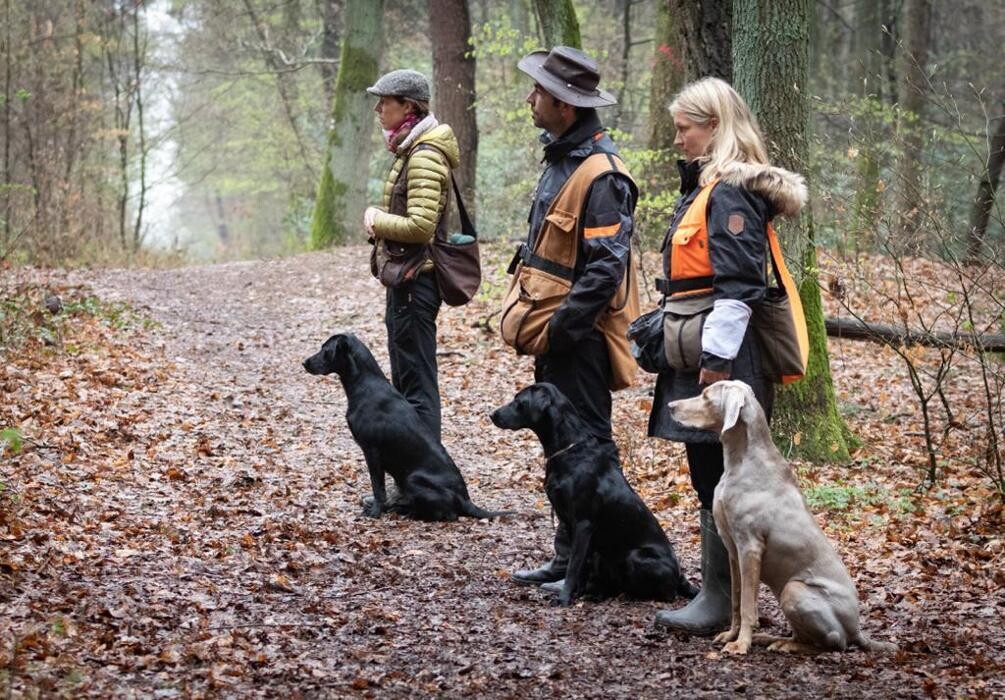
(372, 510)
(736, 648)
(729, 635)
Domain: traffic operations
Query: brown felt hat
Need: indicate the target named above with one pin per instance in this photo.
(569, 75)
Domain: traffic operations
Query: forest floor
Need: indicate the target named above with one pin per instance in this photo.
(180, 515)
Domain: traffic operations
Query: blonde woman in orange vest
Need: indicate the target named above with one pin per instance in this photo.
(714, 258)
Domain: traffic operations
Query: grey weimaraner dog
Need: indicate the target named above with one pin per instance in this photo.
(770, 534)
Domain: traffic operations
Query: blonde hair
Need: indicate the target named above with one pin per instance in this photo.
(736, 138)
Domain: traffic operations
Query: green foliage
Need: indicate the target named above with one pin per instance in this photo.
(23, 318)
(655, 173)
(844, 497)
(10, 441)
(508, 150)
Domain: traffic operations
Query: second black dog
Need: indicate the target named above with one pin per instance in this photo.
(618, 547)
(394, 439)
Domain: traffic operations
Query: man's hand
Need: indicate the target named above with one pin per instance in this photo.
(369, 216)
(708, 376)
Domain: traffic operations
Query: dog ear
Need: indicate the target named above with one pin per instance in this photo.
(341, 354)
(732, 399)
(532, 402)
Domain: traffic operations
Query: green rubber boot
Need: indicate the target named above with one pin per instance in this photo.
(710, 612)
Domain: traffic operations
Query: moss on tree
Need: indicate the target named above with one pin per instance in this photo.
(558, 23)
(342, 188)
(806, 420)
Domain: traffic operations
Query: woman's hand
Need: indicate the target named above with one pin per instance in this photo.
(369, 216)
(708, 376)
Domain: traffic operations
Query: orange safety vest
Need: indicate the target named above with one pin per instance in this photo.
(543, 279)
(691, 275)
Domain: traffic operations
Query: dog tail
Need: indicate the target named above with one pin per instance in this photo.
(472, 511)
(870, 644)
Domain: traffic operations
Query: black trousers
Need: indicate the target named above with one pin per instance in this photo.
(584, 377)
(410, 318)
(704, 461)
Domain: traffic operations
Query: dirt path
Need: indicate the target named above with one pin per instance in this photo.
(238, 563)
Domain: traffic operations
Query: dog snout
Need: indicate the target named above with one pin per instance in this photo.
(497, 417)
(311, 364)
(505, 417)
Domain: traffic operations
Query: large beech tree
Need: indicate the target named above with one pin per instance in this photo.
(454, 78)
(770, 62)
(338, 210)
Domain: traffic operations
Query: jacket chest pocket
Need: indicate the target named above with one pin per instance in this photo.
(686, 233)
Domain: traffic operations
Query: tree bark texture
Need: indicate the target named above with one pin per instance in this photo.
(913, 89)
(558, 22)
(867, 86)
(329, 11)
(770, 63)
(986, 190)
(706, 28)
(668, 77)
(454, 79)
(341, 198)
(5, 212)
(139, 63)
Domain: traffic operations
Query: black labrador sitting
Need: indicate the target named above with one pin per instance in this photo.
(618, 547)
(394, 439)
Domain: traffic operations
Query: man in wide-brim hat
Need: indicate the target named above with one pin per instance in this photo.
(577, 360)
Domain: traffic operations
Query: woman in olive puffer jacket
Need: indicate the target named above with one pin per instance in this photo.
(413, 207)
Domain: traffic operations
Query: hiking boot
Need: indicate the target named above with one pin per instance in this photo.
(554, 586)
(553, 571)
(710, 611)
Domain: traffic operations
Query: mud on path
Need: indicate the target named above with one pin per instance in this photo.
(226, 553)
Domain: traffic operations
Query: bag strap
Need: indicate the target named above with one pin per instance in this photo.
(781, 272)
(786, 282)
(466, 226)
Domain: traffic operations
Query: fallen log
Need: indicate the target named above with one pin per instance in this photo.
(853, 329)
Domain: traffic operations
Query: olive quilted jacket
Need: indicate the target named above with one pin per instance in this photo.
(428, 184)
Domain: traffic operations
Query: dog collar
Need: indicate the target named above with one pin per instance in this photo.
(561, 451)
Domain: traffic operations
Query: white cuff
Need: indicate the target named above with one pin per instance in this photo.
(724, 328)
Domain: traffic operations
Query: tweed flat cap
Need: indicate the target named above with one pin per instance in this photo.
(402, 83)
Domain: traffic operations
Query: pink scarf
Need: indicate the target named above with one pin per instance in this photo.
(399, 133)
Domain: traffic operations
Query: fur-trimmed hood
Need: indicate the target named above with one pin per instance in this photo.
(785, 190)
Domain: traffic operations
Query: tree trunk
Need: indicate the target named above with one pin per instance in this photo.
(706, 27)
(853, 329)
(6, 211)
(139, 58)
(986, 190)
(668, 77)
(559, 26)
(329, 11)
(454, 78)
(889, 11)
(770, 59)
(341, 198)
(866, 85)
(914, 87)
